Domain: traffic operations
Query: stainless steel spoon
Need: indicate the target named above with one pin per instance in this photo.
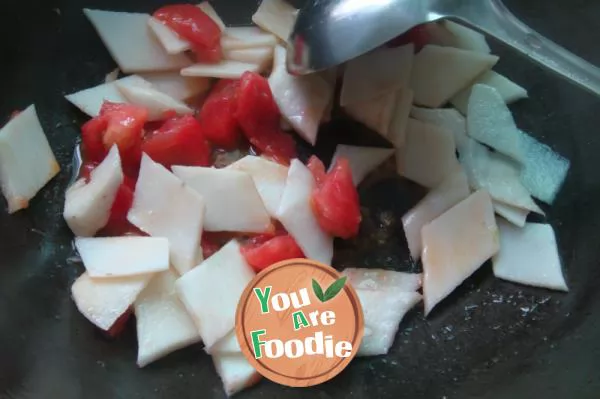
(330, 32)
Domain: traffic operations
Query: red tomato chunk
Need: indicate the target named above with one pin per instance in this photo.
(217, 115)
(263, 251)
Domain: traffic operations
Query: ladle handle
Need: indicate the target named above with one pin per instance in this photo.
(493, 18)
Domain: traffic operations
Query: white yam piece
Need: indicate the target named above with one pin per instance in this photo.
(544, 171)
(429, 154)
(227, 345)
(451, 191)
(169, 39)
(383, 311)
(163, 206)
(212, 13)
(301, 99)
(466, 38)
(516, 216)
(246, 37)
(529, 255)
(90, 100)
(87, 206)
(259, 55)
(380, 279)
(112, 76)
(363, 160)
(156, 102)
(235, 372)
(211, 291)
(269, 178)
(298, 218)
(103, 301)
(26, 159)
(397, 130)
(232, 201)
(447, 118)
(371, 75)
(497, 174)
(177, 86)
(277, 17)
(376, 114)
(456, 244)
(508, 90)
(131, 44)
(224, 70)
(123, 256)
(439, 73)
(490, 122)
(163, 324)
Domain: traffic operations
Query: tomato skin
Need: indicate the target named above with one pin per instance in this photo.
(192, 24)
(217, 115)
(265, 251)
(179, 141)
(258, 115)
(118, 224)
(315, 165)
(419, 36)
(335, 202)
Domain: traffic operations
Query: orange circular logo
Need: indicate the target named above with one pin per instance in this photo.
(299, 323)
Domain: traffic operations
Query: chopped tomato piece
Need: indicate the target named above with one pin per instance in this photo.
(258, 116)
(179, 141)
(335, 202)
(419, 36)
(192, 24)
(117, 223)
(317, 169)
(86, 169)
(217, 115)
(92, 147)
(120, 324)
(264, 251)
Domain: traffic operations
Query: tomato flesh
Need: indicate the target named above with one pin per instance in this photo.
(217, 115)
(263, 251)
(192, 24)
(317, 169)
(119, 325)
(258, 116)
(419, 36)
(117, 223)
(335, 202)
(179, 141)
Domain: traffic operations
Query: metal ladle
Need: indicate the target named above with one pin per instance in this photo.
(330, 32)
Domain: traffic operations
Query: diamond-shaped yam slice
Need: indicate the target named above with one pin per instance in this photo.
(177, 86)
(90, 100)
(211, 291)
(235, 372)
(163, 324)
(466, 38)
(259, 55)
(529, 255)
(232, 201)
(439, 73)
(447, 118)
(517, 216)
(383, 311)
(156, 102)
(269, 178)
(277, 17)
(376, 73)
(376, 113)
(456, 244)
(302, 100)
(509, 90)
(397, 130)
(87, 205)
(171, 41)
(246, 37)
(380, 279)
(123, 256)
(497, 174)
(490, 122)
(163, 206)
(363, 160)
(103, 301)
(298, 218)
(131, 44)
(224, 70)
(26, 159)
(451, 191)
(429, 154)
(228, 344)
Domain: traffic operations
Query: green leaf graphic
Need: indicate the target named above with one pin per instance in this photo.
(334, 289)
(318, 290)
